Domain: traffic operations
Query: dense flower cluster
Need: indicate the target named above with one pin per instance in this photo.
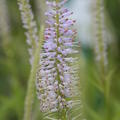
(55, 76)
(30, 25)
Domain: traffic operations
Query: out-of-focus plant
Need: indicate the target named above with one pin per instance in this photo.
(101, 49)
(101, 45)
(30, 25)
(100, 76)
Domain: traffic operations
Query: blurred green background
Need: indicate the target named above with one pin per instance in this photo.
(15, 68)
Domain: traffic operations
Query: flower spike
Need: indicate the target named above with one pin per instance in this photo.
(30, 25)
(55, 77)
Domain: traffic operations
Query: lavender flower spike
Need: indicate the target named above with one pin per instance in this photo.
(55, 76)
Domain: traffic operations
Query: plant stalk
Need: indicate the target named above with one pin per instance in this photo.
(31, 82)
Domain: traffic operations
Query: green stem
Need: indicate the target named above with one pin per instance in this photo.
(31, 82)
(107, 97)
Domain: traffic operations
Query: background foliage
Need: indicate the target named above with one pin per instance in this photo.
(15, 70)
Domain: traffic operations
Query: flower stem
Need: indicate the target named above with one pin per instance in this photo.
(61, 113)
(31, 82)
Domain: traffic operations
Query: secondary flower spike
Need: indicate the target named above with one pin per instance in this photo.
(55, 78)
(30, 25)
